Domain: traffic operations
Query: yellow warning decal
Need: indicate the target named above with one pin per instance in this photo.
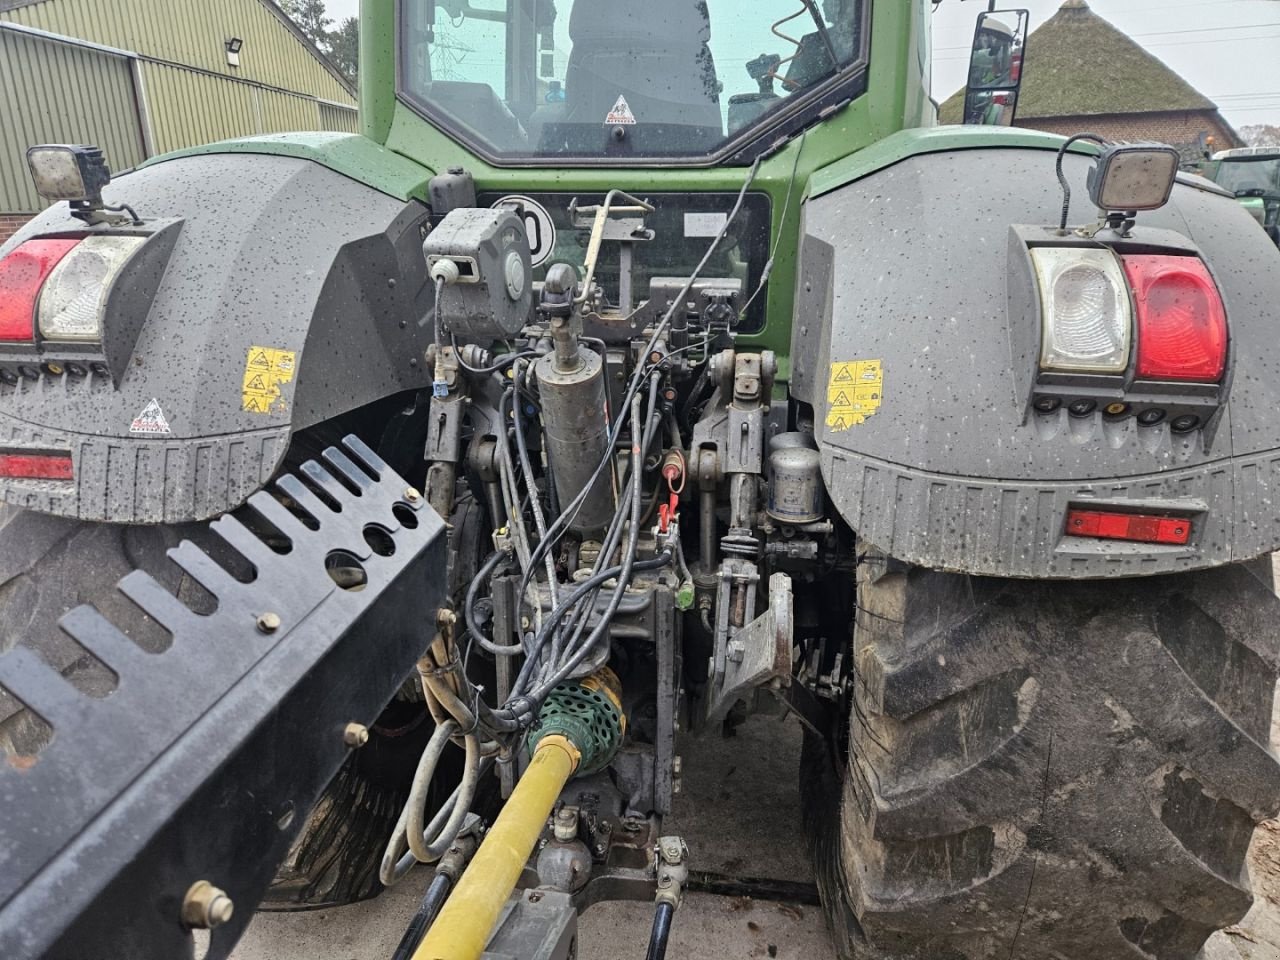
(265, 370)
(854, 392)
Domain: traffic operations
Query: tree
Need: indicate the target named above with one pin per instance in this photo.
(344, 47)
(1261, 135)
(310, 19)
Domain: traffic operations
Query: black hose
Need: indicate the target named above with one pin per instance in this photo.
(659, 936)
(1062, 177)
(434, 899)
(469, 609)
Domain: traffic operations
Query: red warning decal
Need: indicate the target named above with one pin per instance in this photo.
(620, 114)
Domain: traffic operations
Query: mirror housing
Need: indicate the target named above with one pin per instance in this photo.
(995, 67)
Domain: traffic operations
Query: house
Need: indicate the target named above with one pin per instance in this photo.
(141, 77)
(1082, 74)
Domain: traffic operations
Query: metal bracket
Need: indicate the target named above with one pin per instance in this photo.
(535, 925)
(759, 653)
(204, 761)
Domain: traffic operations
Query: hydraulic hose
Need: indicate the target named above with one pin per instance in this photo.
(661, 932)
(463, 927)
(434, 899)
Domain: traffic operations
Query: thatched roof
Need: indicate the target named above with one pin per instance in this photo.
(1078, 65)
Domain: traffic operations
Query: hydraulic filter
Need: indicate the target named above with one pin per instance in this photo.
(795, 480)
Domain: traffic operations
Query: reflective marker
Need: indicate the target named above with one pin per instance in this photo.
(1137, 527)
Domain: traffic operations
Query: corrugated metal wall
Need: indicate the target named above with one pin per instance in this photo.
(188, 107)
(338, 118)
(54, 93)
(192, 32)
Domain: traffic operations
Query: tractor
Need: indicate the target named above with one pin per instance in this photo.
(1253, 175)
(408, 497)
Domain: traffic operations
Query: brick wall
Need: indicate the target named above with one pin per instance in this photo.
(10, 222)
(1180, 130)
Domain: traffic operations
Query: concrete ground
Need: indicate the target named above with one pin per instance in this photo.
(740, 814)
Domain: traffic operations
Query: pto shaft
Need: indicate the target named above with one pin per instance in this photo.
(463, 927)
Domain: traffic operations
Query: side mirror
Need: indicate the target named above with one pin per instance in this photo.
(995, 67)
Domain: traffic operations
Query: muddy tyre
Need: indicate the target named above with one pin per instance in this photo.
(1047, 770)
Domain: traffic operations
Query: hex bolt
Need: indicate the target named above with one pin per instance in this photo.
(269, 622)
(412, 495)
(355, 735)
(206, 906)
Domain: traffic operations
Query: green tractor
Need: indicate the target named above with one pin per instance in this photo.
(407, 497)
(1253, 175)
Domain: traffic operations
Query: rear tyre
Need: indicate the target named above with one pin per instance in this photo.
(1046, 769)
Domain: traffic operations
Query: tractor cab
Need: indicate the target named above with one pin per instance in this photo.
(529, 81)
(1253, 175)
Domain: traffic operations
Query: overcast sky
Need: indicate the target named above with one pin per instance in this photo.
(1229, 50)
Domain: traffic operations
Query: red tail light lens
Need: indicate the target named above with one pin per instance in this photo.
(1182, 326)
(22, 274)
(1137, 527)
(36, 466)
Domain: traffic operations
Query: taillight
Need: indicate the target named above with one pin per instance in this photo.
(1137, 527)
(1085, 307)
(22, 274)
(1182, 325)
(36, 466)
(74, 299)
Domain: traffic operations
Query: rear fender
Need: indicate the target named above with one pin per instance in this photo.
(909, 265)
(292, 294)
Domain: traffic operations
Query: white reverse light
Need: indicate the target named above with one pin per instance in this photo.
(1085, 303)
(74, 298)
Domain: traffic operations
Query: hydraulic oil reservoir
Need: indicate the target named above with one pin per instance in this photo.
(795, 479)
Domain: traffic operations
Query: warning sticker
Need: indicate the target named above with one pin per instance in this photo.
(265, 370)
(854, 392)
(620, 114)
(151, 420)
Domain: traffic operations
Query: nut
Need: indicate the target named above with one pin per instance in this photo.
(269, 622)
(355, 735)
(205, 906)
(412, 495)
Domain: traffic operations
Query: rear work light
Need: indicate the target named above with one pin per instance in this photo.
(1140, 528)
(22, 274)
(1182, 325)
(36, 466)
(1085, 305)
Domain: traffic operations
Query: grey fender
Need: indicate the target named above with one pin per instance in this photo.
(911, 266)
(272, 253)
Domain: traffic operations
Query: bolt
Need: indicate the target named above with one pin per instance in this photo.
(535, 897)
(600, 849)
(269, 622)
(355, 735)
(205, 906)
(412, 495)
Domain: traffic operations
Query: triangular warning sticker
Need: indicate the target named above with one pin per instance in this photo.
(841, 400)
(260, 360)
(257, 383)
(841, 374)
(150, 420)
(620, 114)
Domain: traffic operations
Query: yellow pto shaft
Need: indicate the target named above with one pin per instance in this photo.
(463, 927)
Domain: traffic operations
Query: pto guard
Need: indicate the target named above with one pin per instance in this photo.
(916, 295)
(292, 294)
(204, 761)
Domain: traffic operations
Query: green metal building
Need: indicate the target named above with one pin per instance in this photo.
(142, 77)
